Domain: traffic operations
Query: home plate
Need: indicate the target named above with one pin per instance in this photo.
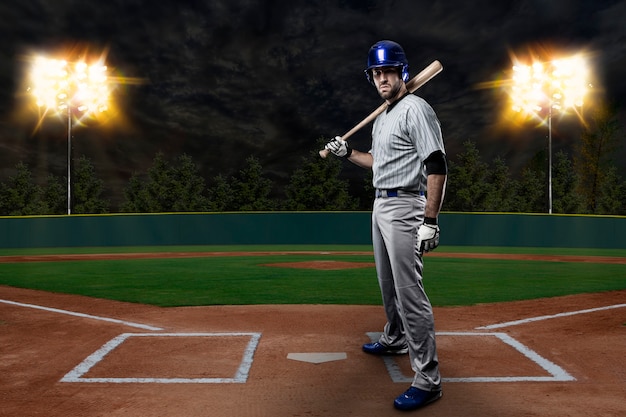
(317, 357)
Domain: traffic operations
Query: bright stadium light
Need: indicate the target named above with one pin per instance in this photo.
(544, 88)
(76, 90)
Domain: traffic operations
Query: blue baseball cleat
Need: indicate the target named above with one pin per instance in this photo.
(377, 348)
(415, 398)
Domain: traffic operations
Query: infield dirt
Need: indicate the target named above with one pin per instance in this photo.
(40, 346)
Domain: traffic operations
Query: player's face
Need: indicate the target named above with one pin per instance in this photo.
(387, 81)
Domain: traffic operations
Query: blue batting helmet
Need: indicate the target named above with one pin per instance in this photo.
(386, 54)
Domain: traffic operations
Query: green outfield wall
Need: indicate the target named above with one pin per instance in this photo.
(337, 228)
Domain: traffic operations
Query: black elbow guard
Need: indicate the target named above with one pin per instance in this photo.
(436, 164)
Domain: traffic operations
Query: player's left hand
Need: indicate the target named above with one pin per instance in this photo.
(427, 237)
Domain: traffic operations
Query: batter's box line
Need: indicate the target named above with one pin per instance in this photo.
(241, 376)
(557, 373)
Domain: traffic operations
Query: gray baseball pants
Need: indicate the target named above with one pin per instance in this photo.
(399, 267)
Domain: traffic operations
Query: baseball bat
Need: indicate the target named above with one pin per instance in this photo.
(412, 85)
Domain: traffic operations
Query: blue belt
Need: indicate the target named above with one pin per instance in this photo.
(396, 192)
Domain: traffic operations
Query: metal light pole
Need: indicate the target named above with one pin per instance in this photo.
(71, 89)
(550, 159)
(69, 160)
(558, 85)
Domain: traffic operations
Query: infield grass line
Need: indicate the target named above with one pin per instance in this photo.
(242, 279)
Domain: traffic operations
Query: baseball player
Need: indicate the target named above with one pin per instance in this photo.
(408, 161)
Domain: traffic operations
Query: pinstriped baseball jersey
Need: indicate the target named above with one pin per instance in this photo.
(402, 138)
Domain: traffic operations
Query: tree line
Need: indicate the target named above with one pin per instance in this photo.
(588, 182)
(177, 186)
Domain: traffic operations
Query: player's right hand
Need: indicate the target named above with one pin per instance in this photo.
(339, 147)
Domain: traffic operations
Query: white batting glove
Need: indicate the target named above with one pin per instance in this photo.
(427, 237)
(339, 147)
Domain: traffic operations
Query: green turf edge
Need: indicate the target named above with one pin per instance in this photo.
(306, 248)
(191, 248)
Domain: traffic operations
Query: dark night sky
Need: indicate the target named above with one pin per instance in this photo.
(228, 79)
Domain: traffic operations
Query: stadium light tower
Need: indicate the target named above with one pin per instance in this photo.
(557, 86)
(69, 89)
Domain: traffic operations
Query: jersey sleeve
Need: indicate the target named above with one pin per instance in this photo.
(424, 129)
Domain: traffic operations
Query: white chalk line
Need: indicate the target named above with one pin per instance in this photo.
(557, 373)
(241, 375)
(76, 374)
(88, 316)
(548, 317)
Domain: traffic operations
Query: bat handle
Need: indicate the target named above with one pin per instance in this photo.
(325, 152)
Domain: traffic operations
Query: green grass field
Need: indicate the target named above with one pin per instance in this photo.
(245, 280)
